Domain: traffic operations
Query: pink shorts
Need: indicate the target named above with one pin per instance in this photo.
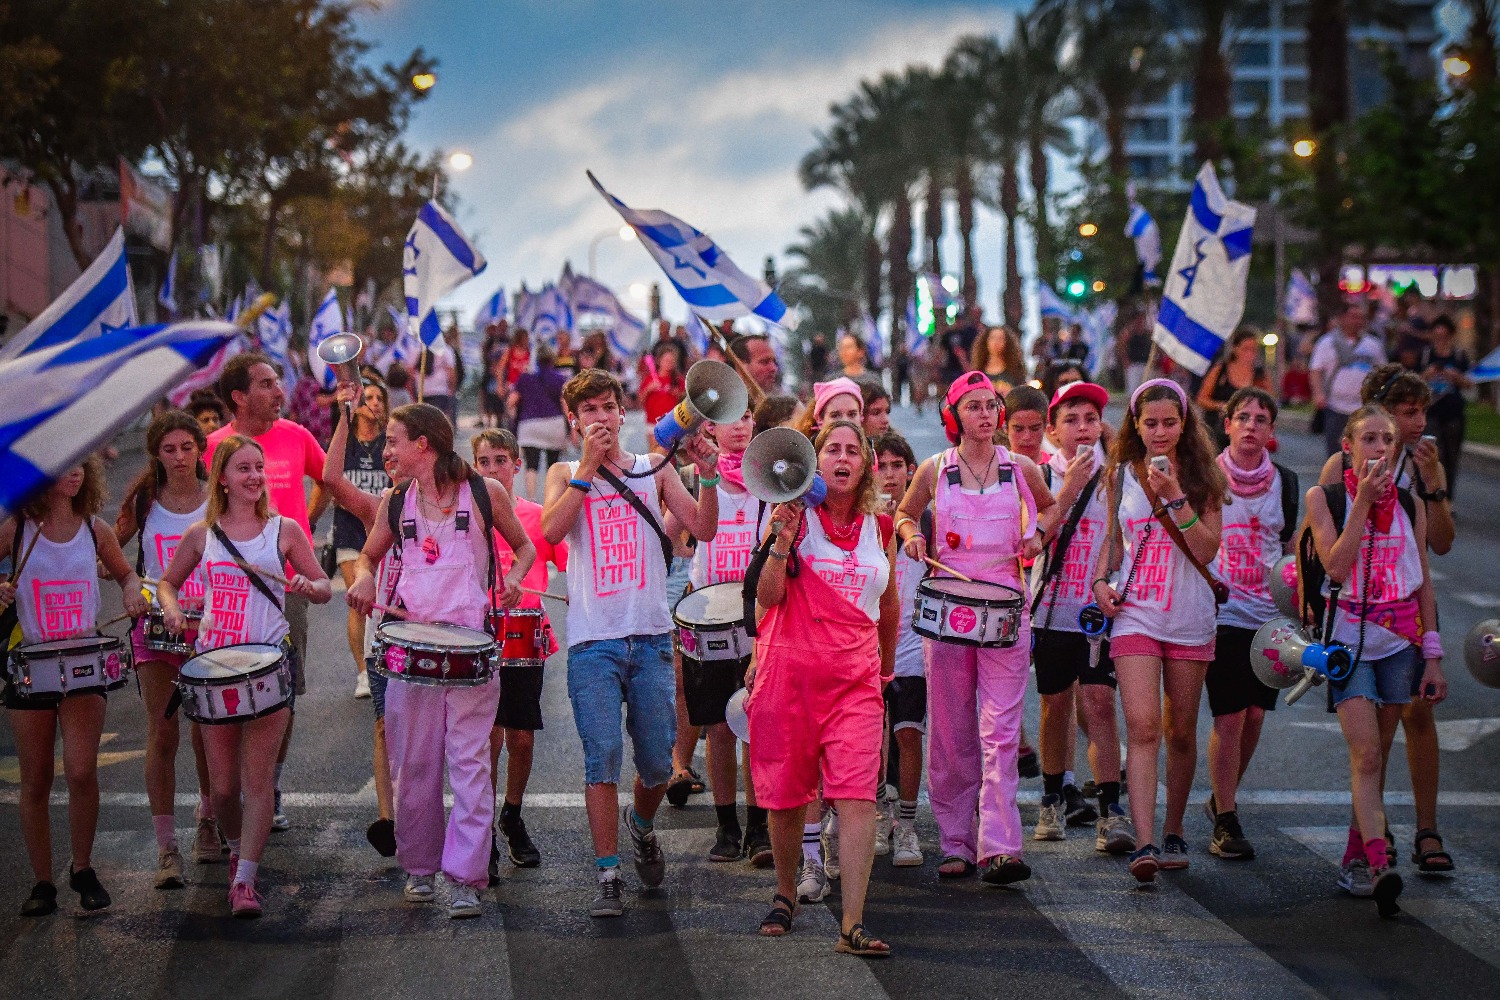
(1145, 645)
(142, 654)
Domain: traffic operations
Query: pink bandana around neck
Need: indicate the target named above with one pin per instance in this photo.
(1248, 483)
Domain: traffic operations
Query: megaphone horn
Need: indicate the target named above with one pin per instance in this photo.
(714, 394)
(1276, 653)
(341, 352)
(780, 465)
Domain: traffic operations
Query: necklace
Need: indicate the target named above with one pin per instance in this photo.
(844, 533)
(431, 550)
(984, 479)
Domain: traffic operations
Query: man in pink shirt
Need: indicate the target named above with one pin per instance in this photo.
(251, 386)
(496, 456)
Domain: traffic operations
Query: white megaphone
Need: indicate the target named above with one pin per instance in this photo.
(714, 394)
(1482, 652)
(340, 351)
(780, 466)
(1282, 582)
(737, 717)
(1276, 653)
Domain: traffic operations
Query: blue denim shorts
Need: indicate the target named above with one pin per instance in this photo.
(636, 672)
(1390, 680)
(378, 681)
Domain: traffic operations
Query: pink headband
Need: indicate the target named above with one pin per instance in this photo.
(825, 391)
(1152, 384)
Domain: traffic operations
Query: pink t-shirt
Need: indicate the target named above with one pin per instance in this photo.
(529, 513)
(292, 453)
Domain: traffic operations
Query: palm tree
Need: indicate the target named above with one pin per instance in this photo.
(997, 72)
(829, 275)
(836, 162)
(1044, 100)
(964, 76)
(1118, 53)
(1213, 22)
(928, 97)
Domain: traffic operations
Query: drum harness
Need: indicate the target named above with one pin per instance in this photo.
(406, 530)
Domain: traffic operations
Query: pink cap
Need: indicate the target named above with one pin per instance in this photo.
(1074, 391)
(825, 391)
(967, 382)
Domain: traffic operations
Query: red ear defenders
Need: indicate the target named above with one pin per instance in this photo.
(949, 410)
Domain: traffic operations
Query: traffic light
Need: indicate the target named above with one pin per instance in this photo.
(1077, 287)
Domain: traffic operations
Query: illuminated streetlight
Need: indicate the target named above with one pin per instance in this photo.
(460, 161)
(627, 233)
(638, 290)
(1087, 230)
(624, 233)
(424, 81)
(1304, 148)
(1456, 66)
(1099, 286)
(1270, 340)
(950, 283)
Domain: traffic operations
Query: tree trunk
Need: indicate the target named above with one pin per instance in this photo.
(1211, 86)
(898, 244)
(932, 223)
(963, 187)
(1114, 135)
(874, 264)
(268, 241)
(64, 188)
(1046, 245)
(1328, 108)
(1010, 207)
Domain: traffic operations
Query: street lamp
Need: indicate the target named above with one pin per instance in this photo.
(460, 161)
(625, 234)
(1087, 230)
(424, 81)
(1304, 148)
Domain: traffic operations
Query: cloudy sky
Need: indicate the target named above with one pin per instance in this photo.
(701, 109)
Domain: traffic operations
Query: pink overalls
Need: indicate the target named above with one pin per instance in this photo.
(426, 724)
(974, 695)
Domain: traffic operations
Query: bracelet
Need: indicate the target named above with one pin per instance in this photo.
(1184, 527)
(1432, 645)
(1102, 579)
(710, 482)
(581, 484)
(1177, 504)
(775, 554)
(903, 519)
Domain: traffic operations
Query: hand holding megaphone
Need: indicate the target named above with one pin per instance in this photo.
(780, 466)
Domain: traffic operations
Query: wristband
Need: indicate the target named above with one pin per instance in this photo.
(1432, 645)
(1184, 527)
(903, 519)
(581, 484)
(775, 554)
(710, 482)
(1103, 579)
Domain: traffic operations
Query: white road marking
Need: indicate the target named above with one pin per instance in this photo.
(1454, 735)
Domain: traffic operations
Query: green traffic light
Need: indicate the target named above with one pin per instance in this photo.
(1076, 288)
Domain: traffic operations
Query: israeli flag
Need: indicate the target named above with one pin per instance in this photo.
(587, 297)
(101, 301)
(167, 297)
(698, 334)
(327, 321)
(546, 314)
(492, 311)
(1204, 295)
(438, 257)
(874, 346)
(1488, 369)
(1299, 304)
(207, 374)
(274, 331)
(1147, 236)
(1050, 305)
(408, 347)
(705, 277)
(58, 404)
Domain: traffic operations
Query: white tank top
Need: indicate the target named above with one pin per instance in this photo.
(1071, 587)
(160, 535)
(860, 576)
(385, 592)
(742, 520)
(1168, 600)
(1249, 547)
(57, 594)
(909, 648)
(617, 581)
(240, 612)
(1395, 574)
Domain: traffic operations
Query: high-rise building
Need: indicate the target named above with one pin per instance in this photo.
(1268, 58)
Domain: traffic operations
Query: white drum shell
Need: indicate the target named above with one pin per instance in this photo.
(60, 667)
(965, 621)
(239, 698)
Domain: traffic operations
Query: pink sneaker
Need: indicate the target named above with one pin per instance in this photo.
(234, 867)
(244, 901)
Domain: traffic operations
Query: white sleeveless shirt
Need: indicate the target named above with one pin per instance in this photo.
(1168, 600)
(1071, 587)
(160, 536)
(240, 613)
(617, 581)
(860, 576)
(1249, 546)
(1395, 574)
(57, 594)
(910, 661)
(725, 559)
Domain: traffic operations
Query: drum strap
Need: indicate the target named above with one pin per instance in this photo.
(757, 565)
(635, 501)
(1058, 555)
(245, 567)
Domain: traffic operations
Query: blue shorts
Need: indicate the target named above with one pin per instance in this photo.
(1390, 680)
(636, 672)
(378, 682)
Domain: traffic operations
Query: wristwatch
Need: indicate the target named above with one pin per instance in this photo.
(1437, 495)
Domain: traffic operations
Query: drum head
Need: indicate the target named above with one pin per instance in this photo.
(453, 637)
(978, 590)
(231, 662)
(81, 644)
(720, 604)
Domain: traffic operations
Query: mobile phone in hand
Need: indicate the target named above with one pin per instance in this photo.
(1161, 464)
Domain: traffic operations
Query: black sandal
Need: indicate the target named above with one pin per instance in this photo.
(966, 872)
(857, 941)
(779, 921)
(1430, 862)
(1391, 854)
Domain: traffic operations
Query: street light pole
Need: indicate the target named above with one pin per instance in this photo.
(625, 233)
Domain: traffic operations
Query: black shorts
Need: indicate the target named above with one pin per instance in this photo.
(17, 702)
(539, 459)
(520, 698)
(708, 686)
(1063, 657)
(906, 703)
(1232, 684)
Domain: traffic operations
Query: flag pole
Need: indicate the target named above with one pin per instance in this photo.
(421, 364)
(757, 394)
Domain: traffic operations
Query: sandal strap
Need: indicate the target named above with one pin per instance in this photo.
(859, 937)
(779, 900)
(1428, 834)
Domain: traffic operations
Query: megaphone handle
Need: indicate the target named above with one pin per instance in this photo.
(1330, 611)
(1309, 678)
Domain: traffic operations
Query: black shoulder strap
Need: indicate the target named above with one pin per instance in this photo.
(481, 494)
(1057, 555)
(1338, 504)
(640, 508)
(1408, 504)
(245, 567)
(1289, 498)
(142, 511)
(395, 507)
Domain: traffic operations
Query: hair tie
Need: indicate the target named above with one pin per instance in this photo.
(1153, 383)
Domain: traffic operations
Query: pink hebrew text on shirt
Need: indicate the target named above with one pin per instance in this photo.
(729, 552)
(191, 592)
(62, 607)
(1240, 559)
(1153, 570)
(1388, 581)
(231, 604)
(848, 579)
(1078, 566)
(615, 545)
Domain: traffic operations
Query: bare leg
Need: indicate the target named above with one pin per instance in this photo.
(722, 763)
(522, 744)
(602, 801)
(856, 854)
(36, 732)
(383, 796)
(82, 720)
(1097, 702)
(910, 741)
(1422, 761)
(687, 733)
(648, 799)
(200, 763)
(1056, 730)
(356, 622)
(1361, 725)
(258, 779)
(786, 847)
(1140, 695)
(162, 735)
(1183, 683)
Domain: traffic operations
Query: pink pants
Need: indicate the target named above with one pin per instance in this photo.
(423, 725)
(974, 731)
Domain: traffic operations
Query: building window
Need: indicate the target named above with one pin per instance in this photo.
(1250, 92)
(1293, 54)
(1148, 168)
(1293, 91)
(1148, 130)
(1252, 54)
(1294, 16)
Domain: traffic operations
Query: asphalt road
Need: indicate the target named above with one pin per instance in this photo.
(336, 926)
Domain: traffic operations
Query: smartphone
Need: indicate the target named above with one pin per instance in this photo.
(1432, 438)
(1161, 464)
(1370, 464)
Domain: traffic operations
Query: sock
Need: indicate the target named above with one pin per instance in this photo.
(756, 816)
(609, 866)
(278, 777)
(1052, 784)
(1069, 778)
(729, 816)
(642, 825)
(1354, 848)
(812, 842)
(234, 845)
(1375, 854)
(882, 792)
(246, 872)
(908, 811)
(166, 835)
(1109, 794)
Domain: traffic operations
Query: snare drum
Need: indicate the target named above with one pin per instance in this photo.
(159, 640)
(419, 653)
(968, 614)
(523, 634)
(715, 649)
(235, 683)
(68, 666)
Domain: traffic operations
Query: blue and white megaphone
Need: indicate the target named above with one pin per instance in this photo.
(714, 394)
(781, 466)
(1285, 655)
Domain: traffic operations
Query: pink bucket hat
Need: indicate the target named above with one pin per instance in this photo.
(825, 391)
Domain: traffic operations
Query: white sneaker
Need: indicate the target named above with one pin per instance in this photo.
(279, 822)
(884, 819)
(1049, 823)
(418, 889)
(361, 685)
(908, 848)
(831, 844)
(812, 886)
(463, 902)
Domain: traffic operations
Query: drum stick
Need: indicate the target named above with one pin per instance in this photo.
(949, 570)
(15, 574)
(393, 612)
(277, 577)
(115, 620)
(545, 593)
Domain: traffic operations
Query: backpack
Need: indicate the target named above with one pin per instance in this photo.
(1310, 572)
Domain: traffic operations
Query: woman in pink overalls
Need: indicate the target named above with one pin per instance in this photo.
(986, 504)
(444, 569)
(826, 647)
